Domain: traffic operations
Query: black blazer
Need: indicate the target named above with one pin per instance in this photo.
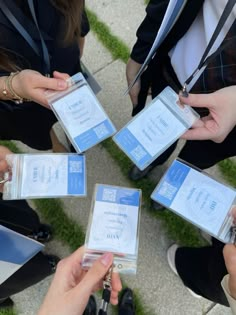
(148, 29)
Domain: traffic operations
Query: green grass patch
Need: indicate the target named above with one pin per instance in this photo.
(64, 228)
(116, 47)
(8, 311)
(139, 307)
(10, 145)
(228, 170)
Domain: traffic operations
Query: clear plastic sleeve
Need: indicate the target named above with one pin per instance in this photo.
(45, 176)
(198, 198)
(80, 114)
(114, 227)
(155, 128)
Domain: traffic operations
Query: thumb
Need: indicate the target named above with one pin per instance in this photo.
(3, 166)
(96, 272)
(197, 100)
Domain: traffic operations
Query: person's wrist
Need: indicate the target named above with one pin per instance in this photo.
(15, 90)
(232, 285)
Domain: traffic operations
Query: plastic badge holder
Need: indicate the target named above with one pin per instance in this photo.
(198, 198)
(45, 176)
(80, 114)
(155, 128)
(114, 227)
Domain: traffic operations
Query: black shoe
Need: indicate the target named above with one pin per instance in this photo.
(53, 261)
(135, 173)
(91, 308)
(43, 235)
(126, 302)
(157, 206)
(6, 303)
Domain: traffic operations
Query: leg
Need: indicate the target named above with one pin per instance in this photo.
(35, 270)
(18, 216)
(202, 270)
(30, 123)
(204, 154)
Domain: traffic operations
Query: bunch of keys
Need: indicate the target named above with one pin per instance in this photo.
(184, 90)
(106, 294)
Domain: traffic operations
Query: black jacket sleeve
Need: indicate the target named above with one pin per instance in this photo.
(148, 29)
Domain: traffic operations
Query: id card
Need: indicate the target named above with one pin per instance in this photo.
(45, 176)
(81, 115)
(16, 250)
(155, 128)
(198, 198)
(114, 226)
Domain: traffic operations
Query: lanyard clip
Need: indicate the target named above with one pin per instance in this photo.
(106, 294)
(107, 279)
(233, 234)
(184, 90)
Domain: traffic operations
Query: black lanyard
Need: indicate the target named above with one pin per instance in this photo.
(205, 60)
(43, 53)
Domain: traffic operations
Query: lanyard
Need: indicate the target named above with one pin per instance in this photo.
(106, 294)
(205, 60)
(43, 53)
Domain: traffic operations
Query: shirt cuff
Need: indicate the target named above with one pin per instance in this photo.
(231, 300)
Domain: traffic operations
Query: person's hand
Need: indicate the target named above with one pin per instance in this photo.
(132, 69)
(230, 262)
(71, 287)
(3, 163)
(32, 85)
(222, 114)
(229, 253)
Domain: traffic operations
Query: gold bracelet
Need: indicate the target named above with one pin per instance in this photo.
(4, 91)
(16, 98)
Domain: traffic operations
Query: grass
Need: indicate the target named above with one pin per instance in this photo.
(8, 311)
(65, 229)
(228, 169)
(115, 46)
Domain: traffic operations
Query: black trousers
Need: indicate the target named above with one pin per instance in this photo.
(19, 217)
(202, 270)
(29, 123)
